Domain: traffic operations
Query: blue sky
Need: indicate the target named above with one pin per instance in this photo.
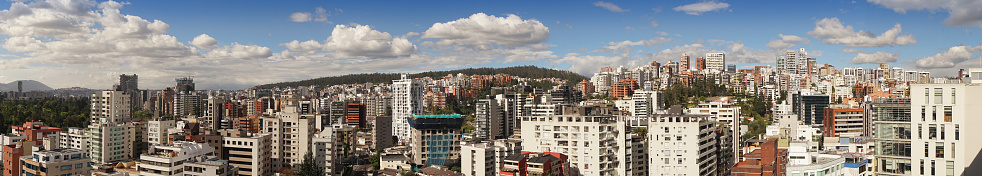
(246, 43)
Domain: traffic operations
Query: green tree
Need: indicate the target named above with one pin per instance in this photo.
(309, 167)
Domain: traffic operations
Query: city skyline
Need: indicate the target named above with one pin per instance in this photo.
(243, 44)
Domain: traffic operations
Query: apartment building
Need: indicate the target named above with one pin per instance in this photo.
(171, 159)
(682, 144)
(944, 118)
(250, 153)
(67, 161)
(485, 158)
(436, 139)
(291, 133)
(596, 144)
(407, 99)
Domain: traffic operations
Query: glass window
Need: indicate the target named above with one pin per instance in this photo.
(942, 131)
(947, 113)
(932, 132)
(937, 97)
(950, 168)
(923, 113)
(920, 131)
(939, 150)
(952, 95)
(956, 132)
(922, 167)
(932, 167)
(927, 100)
(926, 151)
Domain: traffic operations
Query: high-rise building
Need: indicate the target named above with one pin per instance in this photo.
(684, 62)
(780, 63)
(355, 115)
(291, 131)
(74, 138)
(941, 114)
(436, 139)
(184, 85)
(110, 106)
(382, 132)
(490, 120)
(407, 100)
(130, 85)
(700, 63)
(716, 61)
(157, 131)
(810, 107)
(682, 144)
(892, 118)
(214, 112)
(487, 158)
(624, 87)
(731, 68)
(596, 144)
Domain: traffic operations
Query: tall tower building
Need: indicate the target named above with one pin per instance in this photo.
(407, 100)
(780, 63)
(716, 62)
(684, 62)
(802, 59)
(110, 106)
(700, 63)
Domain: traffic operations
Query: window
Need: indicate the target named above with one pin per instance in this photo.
(79, 165)
(920, 132)
(926, 151)
(939, 150)
(950, 168)
(956, 132)
(66, 167)
(932, 167)
(953, 150)
(947, 113)
(922, 167)
(942, 131)
(937, 96)
(932, 132)
(934, 113)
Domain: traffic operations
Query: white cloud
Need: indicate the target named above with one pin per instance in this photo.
(786, 41)
(831, 31)
(300, 17)
(662, 33)
(362, 41)
(610, 6)
(488, 31)
(320, 15)
(948, 59)
(205, 42)
(702, 7)
(853, 50)
(654, 24)
(238, 51)
(961, 12)
(626, 46)
(875, 58)
(628, 28)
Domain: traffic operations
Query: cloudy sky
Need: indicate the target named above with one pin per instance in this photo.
(239, 44)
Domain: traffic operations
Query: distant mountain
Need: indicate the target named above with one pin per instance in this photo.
(29, 85)
(520, 71)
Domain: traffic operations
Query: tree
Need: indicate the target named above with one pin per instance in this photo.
(309, 167)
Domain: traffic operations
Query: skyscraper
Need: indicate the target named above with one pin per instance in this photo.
(716, 62)
(407, 100)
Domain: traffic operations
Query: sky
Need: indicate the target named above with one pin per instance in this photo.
(239, 44)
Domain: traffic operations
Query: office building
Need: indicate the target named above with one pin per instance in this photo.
(382, 132)
(436, 139)
(844, 120)
(892, 118)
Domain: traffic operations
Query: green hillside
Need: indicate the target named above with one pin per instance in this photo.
(520, 71)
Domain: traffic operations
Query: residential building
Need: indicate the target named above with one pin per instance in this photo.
(491, 123)
(250, 153)
(682, 144)
(111, 142)
(75, 138)
(535, 163)
(716, 62)
(157, 131)
(110, 106)
(596, 142)
(67, 161)
(172, 158)
(486, 158)
(844, 120)
(769, 160)
(382, 132)
(291, 132)
(209, 166)
(407, 99)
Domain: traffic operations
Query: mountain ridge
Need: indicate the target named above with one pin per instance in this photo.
(520, 71)
(29, 85)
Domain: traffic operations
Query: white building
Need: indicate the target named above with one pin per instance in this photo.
(171, 159)
(291, 132)
(157, 131)
(485, 158)
(595, 144)
(251, 154)
(716, 62)
(75, 138)
(940, 115)
(682, 144)
(110, 106)
(407, 99)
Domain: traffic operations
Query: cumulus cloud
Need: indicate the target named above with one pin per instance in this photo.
(205, 42)
(238, 51)
(961, 12)
(488, 31)
(357, 42)
(853, 50)
(948, 59)
(702, 7)
(875, 58)
(320, 15)
(610, 6)
(832, 31)
(786, 41)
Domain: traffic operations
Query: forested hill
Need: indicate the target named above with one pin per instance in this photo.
(520, 71)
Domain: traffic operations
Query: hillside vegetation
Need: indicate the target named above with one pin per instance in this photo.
(520, 71)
